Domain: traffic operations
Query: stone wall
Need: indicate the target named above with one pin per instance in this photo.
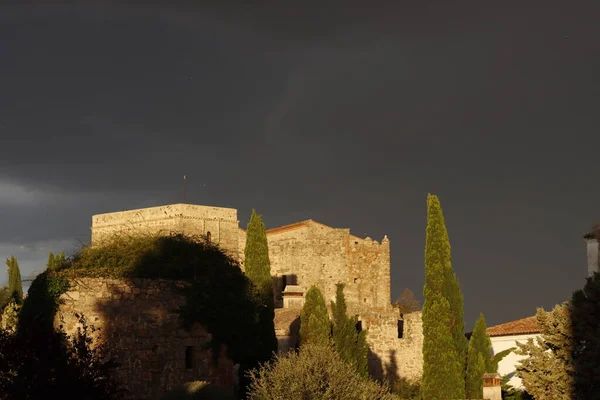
(390, 355)
(309, 253)
(139, 325)
(221, 224)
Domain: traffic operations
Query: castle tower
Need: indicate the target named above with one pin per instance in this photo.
(592, 245)
(219, 225)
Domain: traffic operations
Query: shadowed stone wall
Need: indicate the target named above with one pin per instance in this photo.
(391, 356)
(139, 324)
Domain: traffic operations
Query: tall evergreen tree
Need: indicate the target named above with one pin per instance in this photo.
(548, 371)
(349, 343)
(443, 366)
(479, 359)
(584, 311)
(56, 261)
(258, 269)
(314, 320)
(15, 286)
(457, 319)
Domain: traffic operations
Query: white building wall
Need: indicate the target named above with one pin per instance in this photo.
(508, 365)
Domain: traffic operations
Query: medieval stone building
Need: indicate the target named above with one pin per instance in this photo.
(302, 254)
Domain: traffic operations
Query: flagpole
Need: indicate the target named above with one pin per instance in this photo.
(184, 190)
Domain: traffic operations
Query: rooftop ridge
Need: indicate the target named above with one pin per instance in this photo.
(521, 326)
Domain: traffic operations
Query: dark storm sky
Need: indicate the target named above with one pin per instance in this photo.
(346, 115)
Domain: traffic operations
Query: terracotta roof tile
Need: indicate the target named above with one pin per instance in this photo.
(519, 327)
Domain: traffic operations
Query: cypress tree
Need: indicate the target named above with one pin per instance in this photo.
(15, 286)
(443, 368)
(479, 359)
(258, 269)
(457, 319)
(314, 320)
(50, 263)
(349, 344)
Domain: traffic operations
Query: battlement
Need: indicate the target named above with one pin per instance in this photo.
(217, 223)
(189, 211)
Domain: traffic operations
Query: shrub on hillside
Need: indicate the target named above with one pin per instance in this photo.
(55, 365)
(406, 390)
(315, 372)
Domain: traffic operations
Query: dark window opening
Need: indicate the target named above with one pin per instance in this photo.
(358, 326)
(284, 282)
(189, 357)
(400, 329)
(208, 236)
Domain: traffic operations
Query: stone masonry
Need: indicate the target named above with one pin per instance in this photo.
(302, 254)
(139, 325)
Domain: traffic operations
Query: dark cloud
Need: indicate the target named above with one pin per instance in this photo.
(348, 115)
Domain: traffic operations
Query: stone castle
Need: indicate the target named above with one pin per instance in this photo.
(302, 254)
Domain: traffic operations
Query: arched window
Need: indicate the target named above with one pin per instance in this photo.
(208, 236)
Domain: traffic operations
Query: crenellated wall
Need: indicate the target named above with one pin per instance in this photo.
(221, 224)
(139, 325)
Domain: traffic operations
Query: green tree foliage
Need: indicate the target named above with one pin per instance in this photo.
(54, 365)
(493, 365)
(547, 371)
(15, 286)
(584, 310)
(350, 344)
(315, 373)
(407, 303)
(4, 297)
(56, 261)
(457, 321)
(479, 359)
(314, 320)
(443, 360)
(511, 393)
(258, 269)
(10, 316)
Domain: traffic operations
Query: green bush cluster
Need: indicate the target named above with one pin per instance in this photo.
(316, 372)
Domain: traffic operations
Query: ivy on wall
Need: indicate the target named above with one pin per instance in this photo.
(219, 296)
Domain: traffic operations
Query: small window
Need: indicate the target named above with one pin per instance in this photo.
(189, 357)
(284, 282)
(365, 300)
(356, 280)
(400, 329)
(208, 236)
(358, 326)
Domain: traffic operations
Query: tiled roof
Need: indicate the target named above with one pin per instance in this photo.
(519, 327)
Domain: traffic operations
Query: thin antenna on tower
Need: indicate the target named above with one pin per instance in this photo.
(184, 190)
